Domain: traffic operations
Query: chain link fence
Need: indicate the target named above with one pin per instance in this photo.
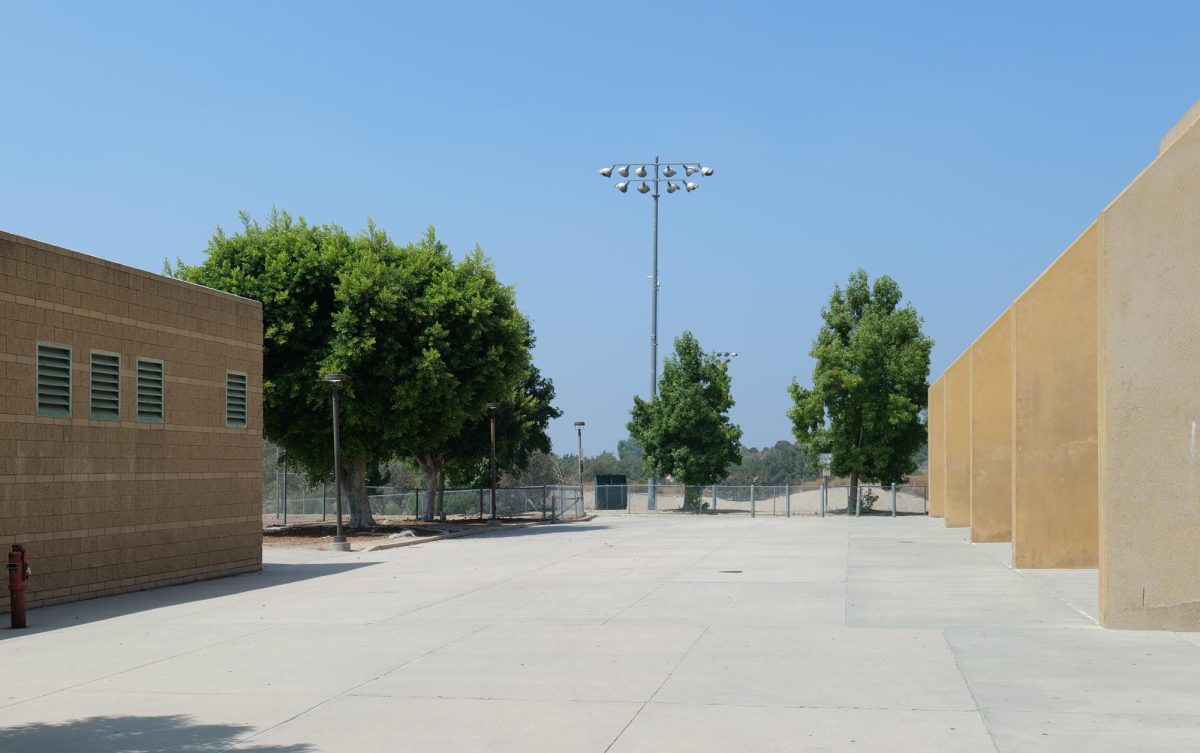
(290, 497)
(295, 501)
(779, 500)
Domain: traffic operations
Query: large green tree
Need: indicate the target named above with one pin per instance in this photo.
(450, 339)
(869, 384)
(425, 342)
(298, 272)
(685, 430)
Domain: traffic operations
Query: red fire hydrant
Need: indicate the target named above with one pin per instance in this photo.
(18, 573)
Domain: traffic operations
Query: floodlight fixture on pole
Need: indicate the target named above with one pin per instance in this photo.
(724, 356)
(492, 408)
(663, 173)
(339, 537)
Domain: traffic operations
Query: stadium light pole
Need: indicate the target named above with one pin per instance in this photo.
(664, 172)
(723, 356)
(339, 538)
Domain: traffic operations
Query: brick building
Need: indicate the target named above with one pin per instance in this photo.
(130, 425)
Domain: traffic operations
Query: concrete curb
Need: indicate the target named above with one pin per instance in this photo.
(460, 534)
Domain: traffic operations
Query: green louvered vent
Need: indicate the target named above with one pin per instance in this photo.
(235, 400)
(106, 387)
(149, 390)
(53, 380)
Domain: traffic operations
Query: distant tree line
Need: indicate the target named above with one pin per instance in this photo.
(782, 463)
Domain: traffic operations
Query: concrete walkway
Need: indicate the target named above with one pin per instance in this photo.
(626, 634)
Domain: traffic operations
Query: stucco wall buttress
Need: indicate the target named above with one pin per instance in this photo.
(1055, 415)
(957, 507)
(991, 433)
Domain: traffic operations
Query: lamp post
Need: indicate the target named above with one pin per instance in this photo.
(339, 538)
(664, 172)
(493, 521)
(723, 356)
(579, 430)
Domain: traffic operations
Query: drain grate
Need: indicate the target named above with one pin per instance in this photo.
(731, 571)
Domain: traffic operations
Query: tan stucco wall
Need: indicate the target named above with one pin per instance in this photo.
(957, 505)
(106, 506)
(937, 449)
(1150, 372)
(1055, 502)
(991, 432)
(1181, 127)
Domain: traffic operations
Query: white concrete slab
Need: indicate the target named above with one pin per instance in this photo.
(837, 668)
(631, 633)
(668, 728)
(1035, 732)
(365, 724)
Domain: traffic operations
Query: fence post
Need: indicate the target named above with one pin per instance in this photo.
(544, 505)
(752, 500)
(714, 498)
(857, 501)
(322, 501)
(285, 495)
(787, 491)
(824, 494)
(893, 500)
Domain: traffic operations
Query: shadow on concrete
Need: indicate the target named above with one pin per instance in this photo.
(133, 734)
(74, 613)
(539, 530)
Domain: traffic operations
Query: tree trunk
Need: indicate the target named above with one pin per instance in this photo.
(354, 492)
(442, 496)
(431, 469)
(853, 506)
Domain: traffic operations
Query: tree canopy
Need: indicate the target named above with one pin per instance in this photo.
(869, 384)
(425, 343)
(685, 430)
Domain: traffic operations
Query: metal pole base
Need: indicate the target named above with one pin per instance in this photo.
(493, 521)
(340, 546)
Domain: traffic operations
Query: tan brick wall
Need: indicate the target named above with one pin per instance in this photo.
(111, 506)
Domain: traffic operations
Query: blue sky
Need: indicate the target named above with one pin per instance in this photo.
(958, 147)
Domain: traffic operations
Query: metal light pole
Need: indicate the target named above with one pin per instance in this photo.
(493, 521)
(339, 538)
(663, 172)
(579, 430)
